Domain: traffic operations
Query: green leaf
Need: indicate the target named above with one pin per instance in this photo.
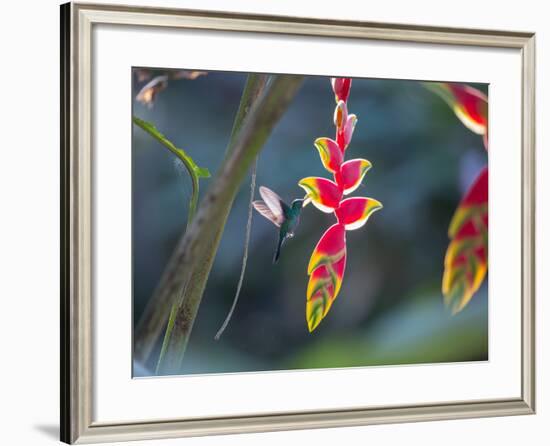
(201, 172)
(195, 172)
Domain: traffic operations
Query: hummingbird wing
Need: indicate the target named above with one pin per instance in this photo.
(274, 202)
(263, 209)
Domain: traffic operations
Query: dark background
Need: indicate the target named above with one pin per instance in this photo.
(390, 308)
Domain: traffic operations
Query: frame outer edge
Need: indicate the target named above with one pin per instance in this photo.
(76, 299)
(65, 301)
(291, 25)
(76, 396)
(528, 224)
(82, 232)
(312, 420)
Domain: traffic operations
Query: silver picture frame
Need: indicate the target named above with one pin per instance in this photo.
(77, 389)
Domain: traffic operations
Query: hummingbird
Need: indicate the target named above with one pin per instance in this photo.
(285, 217)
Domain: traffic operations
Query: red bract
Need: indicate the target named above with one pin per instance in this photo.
(324, 194)
(323, 287)
(330, 248)
(351, 174)
(330, 153)
(470, 105)
(345, 124)
(341, 87)
(354, 212)
(466, 257)
(328, 260)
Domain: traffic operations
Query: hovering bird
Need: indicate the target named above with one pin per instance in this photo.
(285, 217)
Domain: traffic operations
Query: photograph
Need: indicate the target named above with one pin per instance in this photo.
(358, 236)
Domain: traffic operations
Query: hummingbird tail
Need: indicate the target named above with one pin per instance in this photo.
(278, 251)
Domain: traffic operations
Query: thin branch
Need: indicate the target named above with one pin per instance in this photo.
(245, 254)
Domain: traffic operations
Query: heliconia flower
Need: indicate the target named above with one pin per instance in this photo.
(323, 288)
(466, 257)
(328, 261)
(330, 248)
(469, 104)
(331, 155)
(324, 194)
(341, 87)
(354, 212)
(351, 174)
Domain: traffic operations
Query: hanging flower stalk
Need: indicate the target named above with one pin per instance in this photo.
(328, 260)
(466, 259)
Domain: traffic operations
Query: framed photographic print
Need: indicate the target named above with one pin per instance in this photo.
(279, 223)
